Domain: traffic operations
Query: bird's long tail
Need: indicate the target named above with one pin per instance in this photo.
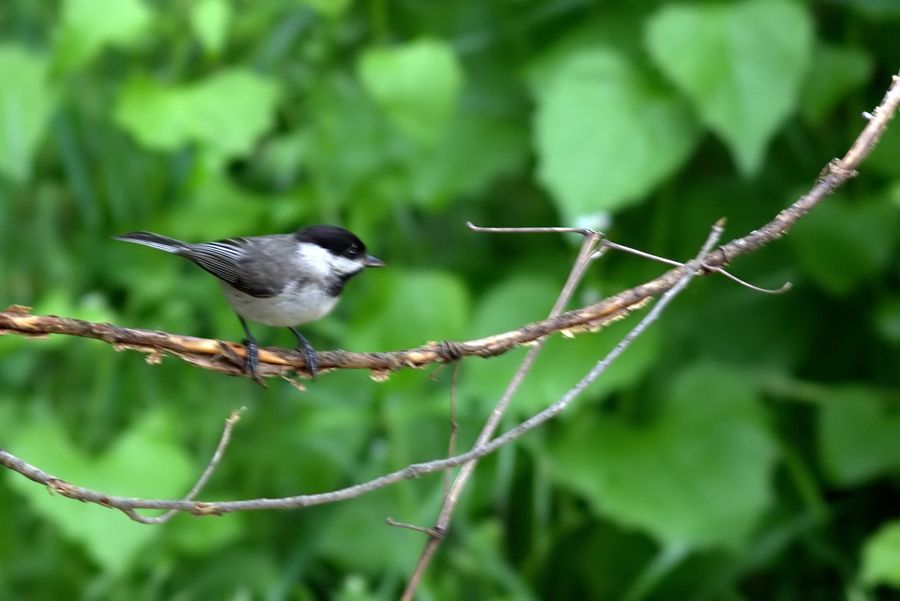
(169, 245)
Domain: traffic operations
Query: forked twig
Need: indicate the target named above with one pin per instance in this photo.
(214, 461)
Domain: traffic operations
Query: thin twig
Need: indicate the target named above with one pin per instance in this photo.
(454, 424)
(643, 254)
(451, 494)
(205, 476)
(451, 498)
(780, 290)
(392, 522)
(606, 244)
(532, 230)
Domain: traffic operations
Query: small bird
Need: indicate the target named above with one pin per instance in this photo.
(278, 280)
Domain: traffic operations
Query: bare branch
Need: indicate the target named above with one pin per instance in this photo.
(451, 498)
(413, 527)
(227, 357)
(640, 253)
(454, 423)
(128, 505)
(531, 230)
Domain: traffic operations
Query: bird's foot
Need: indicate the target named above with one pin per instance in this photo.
(309, 353)
(251, 363)
(312, 358)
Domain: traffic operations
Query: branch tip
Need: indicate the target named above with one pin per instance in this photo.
(533, 230)
(430, 532)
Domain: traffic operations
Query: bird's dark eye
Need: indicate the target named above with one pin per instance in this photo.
(352, 251)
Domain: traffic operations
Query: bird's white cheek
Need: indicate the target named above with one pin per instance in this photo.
(345, 266)
(315, 260)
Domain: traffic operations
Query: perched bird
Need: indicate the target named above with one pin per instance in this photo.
(277, 280)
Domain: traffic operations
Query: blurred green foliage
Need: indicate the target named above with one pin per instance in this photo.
(747, 447)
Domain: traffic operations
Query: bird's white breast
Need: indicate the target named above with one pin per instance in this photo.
(294, 306)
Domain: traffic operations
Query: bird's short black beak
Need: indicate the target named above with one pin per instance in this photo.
(374, 262)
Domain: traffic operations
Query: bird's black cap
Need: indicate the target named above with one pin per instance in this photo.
(336, 240)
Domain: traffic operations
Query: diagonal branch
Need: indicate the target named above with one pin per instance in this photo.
(221, 356)
(834, 174)
(452, 496)
(227, 357)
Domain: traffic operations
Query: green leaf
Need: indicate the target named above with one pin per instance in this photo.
(858, 434)
(88, 26)
(210, 20)
(842, 245)
(741, 64)
(881, 556)
(27, 100)
(340, 110)
(226, 112)
(697, 475)
(474, 152)
(416, 84)
(141, 463)
(836, 71)
(158, 116)
(234, 108)
(605, 133)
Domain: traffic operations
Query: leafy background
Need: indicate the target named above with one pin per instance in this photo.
(747, 447)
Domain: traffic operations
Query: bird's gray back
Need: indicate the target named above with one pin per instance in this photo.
(249, 264)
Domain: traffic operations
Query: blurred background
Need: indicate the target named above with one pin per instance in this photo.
(747, 447)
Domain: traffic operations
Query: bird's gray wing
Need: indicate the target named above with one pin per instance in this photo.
(234, 261)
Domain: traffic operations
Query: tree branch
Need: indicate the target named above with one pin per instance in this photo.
(452, 496)
(835, 174)
(227, 357)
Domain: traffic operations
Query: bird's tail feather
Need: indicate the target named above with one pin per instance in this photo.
(169, 245)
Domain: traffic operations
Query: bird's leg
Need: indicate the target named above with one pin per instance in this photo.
(303, 346)
(251, 363)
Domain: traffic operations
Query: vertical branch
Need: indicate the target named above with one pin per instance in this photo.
(454, 424)
(451, 499)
